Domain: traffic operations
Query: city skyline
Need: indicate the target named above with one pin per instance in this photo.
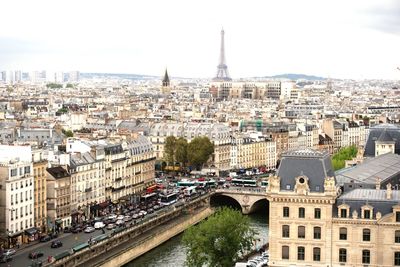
(332, 39)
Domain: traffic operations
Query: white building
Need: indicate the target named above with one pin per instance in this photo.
(16, 195)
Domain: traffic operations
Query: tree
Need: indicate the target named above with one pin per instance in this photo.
(169, 150)
(218, 240)
(345, 153)
(199, 151)
(68, 133)
(181, 151)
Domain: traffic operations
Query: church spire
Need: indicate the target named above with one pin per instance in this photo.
(165, 81)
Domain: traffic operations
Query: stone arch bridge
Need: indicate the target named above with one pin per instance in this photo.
(249, 199)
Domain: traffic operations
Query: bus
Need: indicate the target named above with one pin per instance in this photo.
(244, 182)
(149, 197)
(185, 183)
(169, 199)
(151, 189)
(264, 183)
(190, 191)
(211, 183)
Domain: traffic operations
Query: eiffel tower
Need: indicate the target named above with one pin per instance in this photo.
(222, 68)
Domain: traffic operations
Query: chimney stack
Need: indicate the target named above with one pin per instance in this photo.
(389, 191)
(378, 183)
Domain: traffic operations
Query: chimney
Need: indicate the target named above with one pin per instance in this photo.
(378, 183)
(388, 191)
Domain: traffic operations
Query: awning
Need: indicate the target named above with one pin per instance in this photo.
(59, 221)
(15, 234)
(103, 205)
(31, 231)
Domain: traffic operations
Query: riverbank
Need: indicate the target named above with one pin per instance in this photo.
(149, 240)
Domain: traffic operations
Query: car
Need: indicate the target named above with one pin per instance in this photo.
(110, 226)
(120, 222)
(112, 216)
(5, 258)
(53, 235)
(77, 229)
(67, 229)
(127, 218)
(99, 225)
(45, 238)
(135, 216)
(120, 217)
(89, 229)
(35, 254)
(56, 244)
(9, 252)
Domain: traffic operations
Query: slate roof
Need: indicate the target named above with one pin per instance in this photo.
(376, 131)
(58, 172)
(373, 197)
(383, 167)
(385, 137)
(314, 164)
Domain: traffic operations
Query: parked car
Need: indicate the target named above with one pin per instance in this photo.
(5, 258)
(112, 216)
(127, 218)
(110, 226)
(9, 252)
(77, 229)
(120, 217)
(53, 235)
(35, 254)
(120, 222)
(67, 229)
(56, 244)
(45, 238)
(89, 229)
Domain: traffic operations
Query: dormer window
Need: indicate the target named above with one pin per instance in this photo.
(343, 213)
(366, 212)
(397, 216)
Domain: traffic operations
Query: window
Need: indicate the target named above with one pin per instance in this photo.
(285, 211)
(317, 213)
(397, 216)
(285, 231)
(343, 213)
(317, 232)
(302, 213)
(397, 236)
(27, 169)
(288, 187)
(285, 252)
(316, 254)
(366, 235)
(343, 233)
(342, 255)
(367, 214)
(366, 256)
(301, 232)
(397, 258)
(300, 253)
(13, 172)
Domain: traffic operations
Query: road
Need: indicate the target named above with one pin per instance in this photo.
(69, 240)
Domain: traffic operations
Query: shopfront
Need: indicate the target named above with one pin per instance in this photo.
(31, 235)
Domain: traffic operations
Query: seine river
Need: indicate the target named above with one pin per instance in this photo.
(172, 252)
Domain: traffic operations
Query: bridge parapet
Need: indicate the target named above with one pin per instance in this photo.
(246, 197)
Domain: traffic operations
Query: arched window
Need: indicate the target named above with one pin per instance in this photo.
(301, 232)
(366, 256)
(366, 235)
(317, 232)
(285, 231)
(285, 252)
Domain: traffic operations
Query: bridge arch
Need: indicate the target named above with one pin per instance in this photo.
(261, 205)
(218, 200)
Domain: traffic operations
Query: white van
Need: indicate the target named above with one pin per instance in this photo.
(99, 225)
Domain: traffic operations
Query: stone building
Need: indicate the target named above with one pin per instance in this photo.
(313, 223)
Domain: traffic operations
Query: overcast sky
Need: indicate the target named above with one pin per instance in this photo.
(330, 38)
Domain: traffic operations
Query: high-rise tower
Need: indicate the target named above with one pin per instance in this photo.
(222, 68)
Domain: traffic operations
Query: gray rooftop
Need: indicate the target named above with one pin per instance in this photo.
(316, 165)
(383, 167)
(376, 131)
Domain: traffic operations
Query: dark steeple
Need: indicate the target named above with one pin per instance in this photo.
(165, 81)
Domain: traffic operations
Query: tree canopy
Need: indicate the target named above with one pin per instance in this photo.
(219, 240)
(68, 133)
(181, 151)
(169, 149)
(54, 85)
(199, 151)
(346, 153)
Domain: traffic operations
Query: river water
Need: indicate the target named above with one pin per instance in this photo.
(172, 252)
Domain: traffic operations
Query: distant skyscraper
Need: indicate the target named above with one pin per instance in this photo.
(17, 76)
(222, 68)
(74, 76)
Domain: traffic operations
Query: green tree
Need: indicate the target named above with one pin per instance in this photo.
(68, 133)
(345, 153)
(219, 240)
(169, 150)
(181, 151)
(199, 151)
